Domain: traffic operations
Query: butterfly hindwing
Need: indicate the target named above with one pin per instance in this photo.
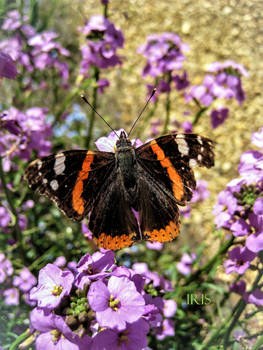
(72, 179)
(158, 211)
(112, 221)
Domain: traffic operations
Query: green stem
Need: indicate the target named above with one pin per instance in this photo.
(94, 104)
(20, 339)
(211, 262)
(198, 115)
(105, 11)
(17, 232)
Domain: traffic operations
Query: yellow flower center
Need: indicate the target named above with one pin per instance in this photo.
(114, 303)
(57, 290)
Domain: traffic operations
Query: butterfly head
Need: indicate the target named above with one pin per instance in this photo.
(123, 142)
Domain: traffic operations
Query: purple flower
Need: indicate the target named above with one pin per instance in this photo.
(251, 166)
(187, 127)
(201, 93)
(154, 245)
(134, 337)
(34, 51)
(60, 261)
(107, 144)
(53, 285)
(116, 304)
(201, 192)
(258, 206)
(103, 40)
(34, 132)
(185, 265)
(54, 333)
(254, 242)
(93, 267)
(167, 329)
(256, 297)
(6, 268)
(239, 260)
(13, 21)
(5, 217)
(225, 208)
(86, 232)
(181, 82)
(164, 53)
(7, 66)
(218, 116)
(11, 296)
(228, 80)
(169, 308)
(240, 228)
(102, 84)
(25, 281)
(238, 287)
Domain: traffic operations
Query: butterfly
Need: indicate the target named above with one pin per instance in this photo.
(129, 195)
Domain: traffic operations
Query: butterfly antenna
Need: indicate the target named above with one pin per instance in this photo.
(146, 104)
(85, 100)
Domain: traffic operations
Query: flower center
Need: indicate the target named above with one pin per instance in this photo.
(57, 290)
(123, 337)
(114, 303)
(56, 335)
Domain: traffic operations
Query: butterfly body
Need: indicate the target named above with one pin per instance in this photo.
(131, 194)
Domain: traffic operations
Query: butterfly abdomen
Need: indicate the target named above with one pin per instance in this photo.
(127, 165)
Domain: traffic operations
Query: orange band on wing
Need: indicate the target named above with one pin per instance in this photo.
(117, 242)
(164, 235)
(178, 186)
(77, 200)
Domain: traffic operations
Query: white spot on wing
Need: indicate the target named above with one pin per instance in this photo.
(54, 185)
(59, 166)
(182, 144)
(199, 157)
(45, 181)
(199, 139)
(39, 164)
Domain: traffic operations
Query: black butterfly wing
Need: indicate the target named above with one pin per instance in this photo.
(72, 179)
(166, 163)
(112, 220)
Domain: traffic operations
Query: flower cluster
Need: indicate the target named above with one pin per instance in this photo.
(223, 81)
(32, 50)
(14, 283)
(100, 49)
(240, 210)
(164, 54)
(22, 132)
(98, 303)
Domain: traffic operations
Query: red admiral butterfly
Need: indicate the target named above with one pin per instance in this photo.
(151, 179)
